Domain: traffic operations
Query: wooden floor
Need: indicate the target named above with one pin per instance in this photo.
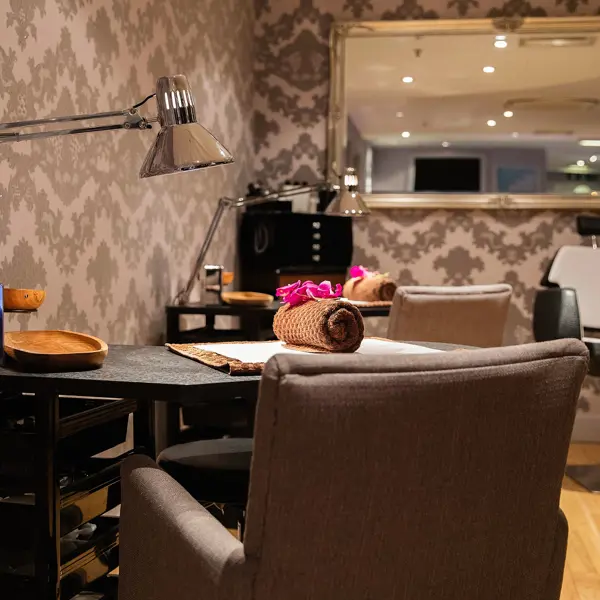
(582, 571)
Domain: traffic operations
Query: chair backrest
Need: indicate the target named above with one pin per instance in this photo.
(471, 315)
(578, 268)
(419, 476)
(556, 315)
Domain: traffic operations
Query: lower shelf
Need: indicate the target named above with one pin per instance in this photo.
(81, 566)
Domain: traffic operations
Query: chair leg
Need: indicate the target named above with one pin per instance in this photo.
(586, 475)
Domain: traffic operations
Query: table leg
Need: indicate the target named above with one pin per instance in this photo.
(166, 425)
(143, 427)
(47, 497)
(173, 327)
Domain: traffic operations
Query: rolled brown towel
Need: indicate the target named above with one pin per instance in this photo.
(322, 325)
(377, 288)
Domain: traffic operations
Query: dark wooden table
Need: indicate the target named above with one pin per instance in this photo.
(136, 377)
(256, 321)
(140, 375)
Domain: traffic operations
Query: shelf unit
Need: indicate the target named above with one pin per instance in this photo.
(50, 485)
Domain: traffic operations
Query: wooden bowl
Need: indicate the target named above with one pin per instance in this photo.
(17, 299)
(51, 351)
(247, 298)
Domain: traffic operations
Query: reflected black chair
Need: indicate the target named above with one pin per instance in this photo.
(569, 307)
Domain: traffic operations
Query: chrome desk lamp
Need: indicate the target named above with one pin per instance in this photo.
(347, 203)
(182, 143)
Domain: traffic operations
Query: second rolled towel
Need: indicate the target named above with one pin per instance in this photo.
(322, 325)
(375, 288)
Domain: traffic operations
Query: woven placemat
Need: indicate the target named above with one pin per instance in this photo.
(237, 367)
(216, 360)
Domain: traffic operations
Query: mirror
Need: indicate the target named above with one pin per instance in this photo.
(480, 112)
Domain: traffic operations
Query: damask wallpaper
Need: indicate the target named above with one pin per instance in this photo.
(424, 247)
(75, 220)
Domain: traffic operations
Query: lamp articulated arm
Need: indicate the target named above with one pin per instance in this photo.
(132, 120)
(223, 206)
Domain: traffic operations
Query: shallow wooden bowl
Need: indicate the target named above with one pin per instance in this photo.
(247, 298)
(17, 299)
(50, 351)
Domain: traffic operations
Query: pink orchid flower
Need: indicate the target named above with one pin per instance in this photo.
(298, 293)
(360, 272)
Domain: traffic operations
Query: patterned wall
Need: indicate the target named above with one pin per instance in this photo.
(111, 249)
(425, 247)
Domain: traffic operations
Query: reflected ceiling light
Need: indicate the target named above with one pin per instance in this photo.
(445, 144)
(500, 38)
(558, 42)
(508, 113)
(591, 143)
(594, 194)
(406, 134)
(593, 158)
(500, 44)
(489, 69)
(580, 163)
(515, 134)
(491, 123)
(407, 79)
(399, 114)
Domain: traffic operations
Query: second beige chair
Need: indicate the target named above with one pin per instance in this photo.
(472, 315)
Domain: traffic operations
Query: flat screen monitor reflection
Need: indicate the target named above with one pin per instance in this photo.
(438, 175)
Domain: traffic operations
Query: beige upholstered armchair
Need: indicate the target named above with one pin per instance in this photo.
(473, 315)
(415, 477)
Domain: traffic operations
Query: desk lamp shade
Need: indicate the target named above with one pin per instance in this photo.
(182, 143)
(349, 203)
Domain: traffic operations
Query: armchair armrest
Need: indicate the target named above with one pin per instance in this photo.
(170, 546)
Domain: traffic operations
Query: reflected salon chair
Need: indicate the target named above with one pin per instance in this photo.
(569, 307)
(473, 315)
(371, 478)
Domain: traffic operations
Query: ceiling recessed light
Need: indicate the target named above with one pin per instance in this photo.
(593, 158)
(508, 113)
(580, 163)
(500, 37)
(491, 123)
(500, 44)
(515, 134)
(407, 79)
(406, 134)
(399, 114)
(445, 144)
(592, 143)
(489, 69)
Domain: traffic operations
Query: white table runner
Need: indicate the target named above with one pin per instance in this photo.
(261, 352)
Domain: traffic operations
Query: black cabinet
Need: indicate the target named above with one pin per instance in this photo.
(274, 247)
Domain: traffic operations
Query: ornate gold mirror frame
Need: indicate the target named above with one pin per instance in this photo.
(338, 117)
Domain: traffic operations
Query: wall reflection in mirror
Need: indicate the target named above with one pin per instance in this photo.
(474, 113)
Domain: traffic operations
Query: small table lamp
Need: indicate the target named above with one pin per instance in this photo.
(347, 203)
